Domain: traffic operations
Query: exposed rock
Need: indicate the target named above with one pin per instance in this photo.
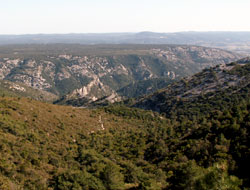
(102, 75)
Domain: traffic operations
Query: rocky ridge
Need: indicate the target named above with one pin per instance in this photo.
(14, 89)
(106, 69)
(207, 84)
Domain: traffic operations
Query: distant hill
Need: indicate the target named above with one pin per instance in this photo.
(235, 41)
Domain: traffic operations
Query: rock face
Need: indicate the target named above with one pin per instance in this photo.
(95, 88)
(232, 78)
(103, 70)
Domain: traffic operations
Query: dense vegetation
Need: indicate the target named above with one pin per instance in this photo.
(138, 150)
(202, 144)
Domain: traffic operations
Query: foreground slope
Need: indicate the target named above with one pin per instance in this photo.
(39, 142)
(47, 146)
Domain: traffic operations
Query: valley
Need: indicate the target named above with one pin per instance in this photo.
(198, 140)
(131, 117)
(83, 74)
(125, 95)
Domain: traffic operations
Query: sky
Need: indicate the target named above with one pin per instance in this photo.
(105, 16)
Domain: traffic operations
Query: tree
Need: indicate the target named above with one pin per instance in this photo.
(113, 178)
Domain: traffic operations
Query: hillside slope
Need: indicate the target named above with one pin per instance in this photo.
(39, 140)
(46, 146)
(205, 86)
(12, 89)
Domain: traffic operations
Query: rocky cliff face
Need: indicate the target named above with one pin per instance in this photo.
(105, 70)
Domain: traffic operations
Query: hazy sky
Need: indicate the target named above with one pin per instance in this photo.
(88, 16)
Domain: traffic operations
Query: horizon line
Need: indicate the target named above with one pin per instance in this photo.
(99, 33)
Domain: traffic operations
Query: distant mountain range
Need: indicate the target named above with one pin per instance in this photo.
(236, 41)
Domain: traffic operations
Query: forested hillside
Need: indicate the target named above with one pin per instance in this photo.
(201, 143)
(231, 80)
